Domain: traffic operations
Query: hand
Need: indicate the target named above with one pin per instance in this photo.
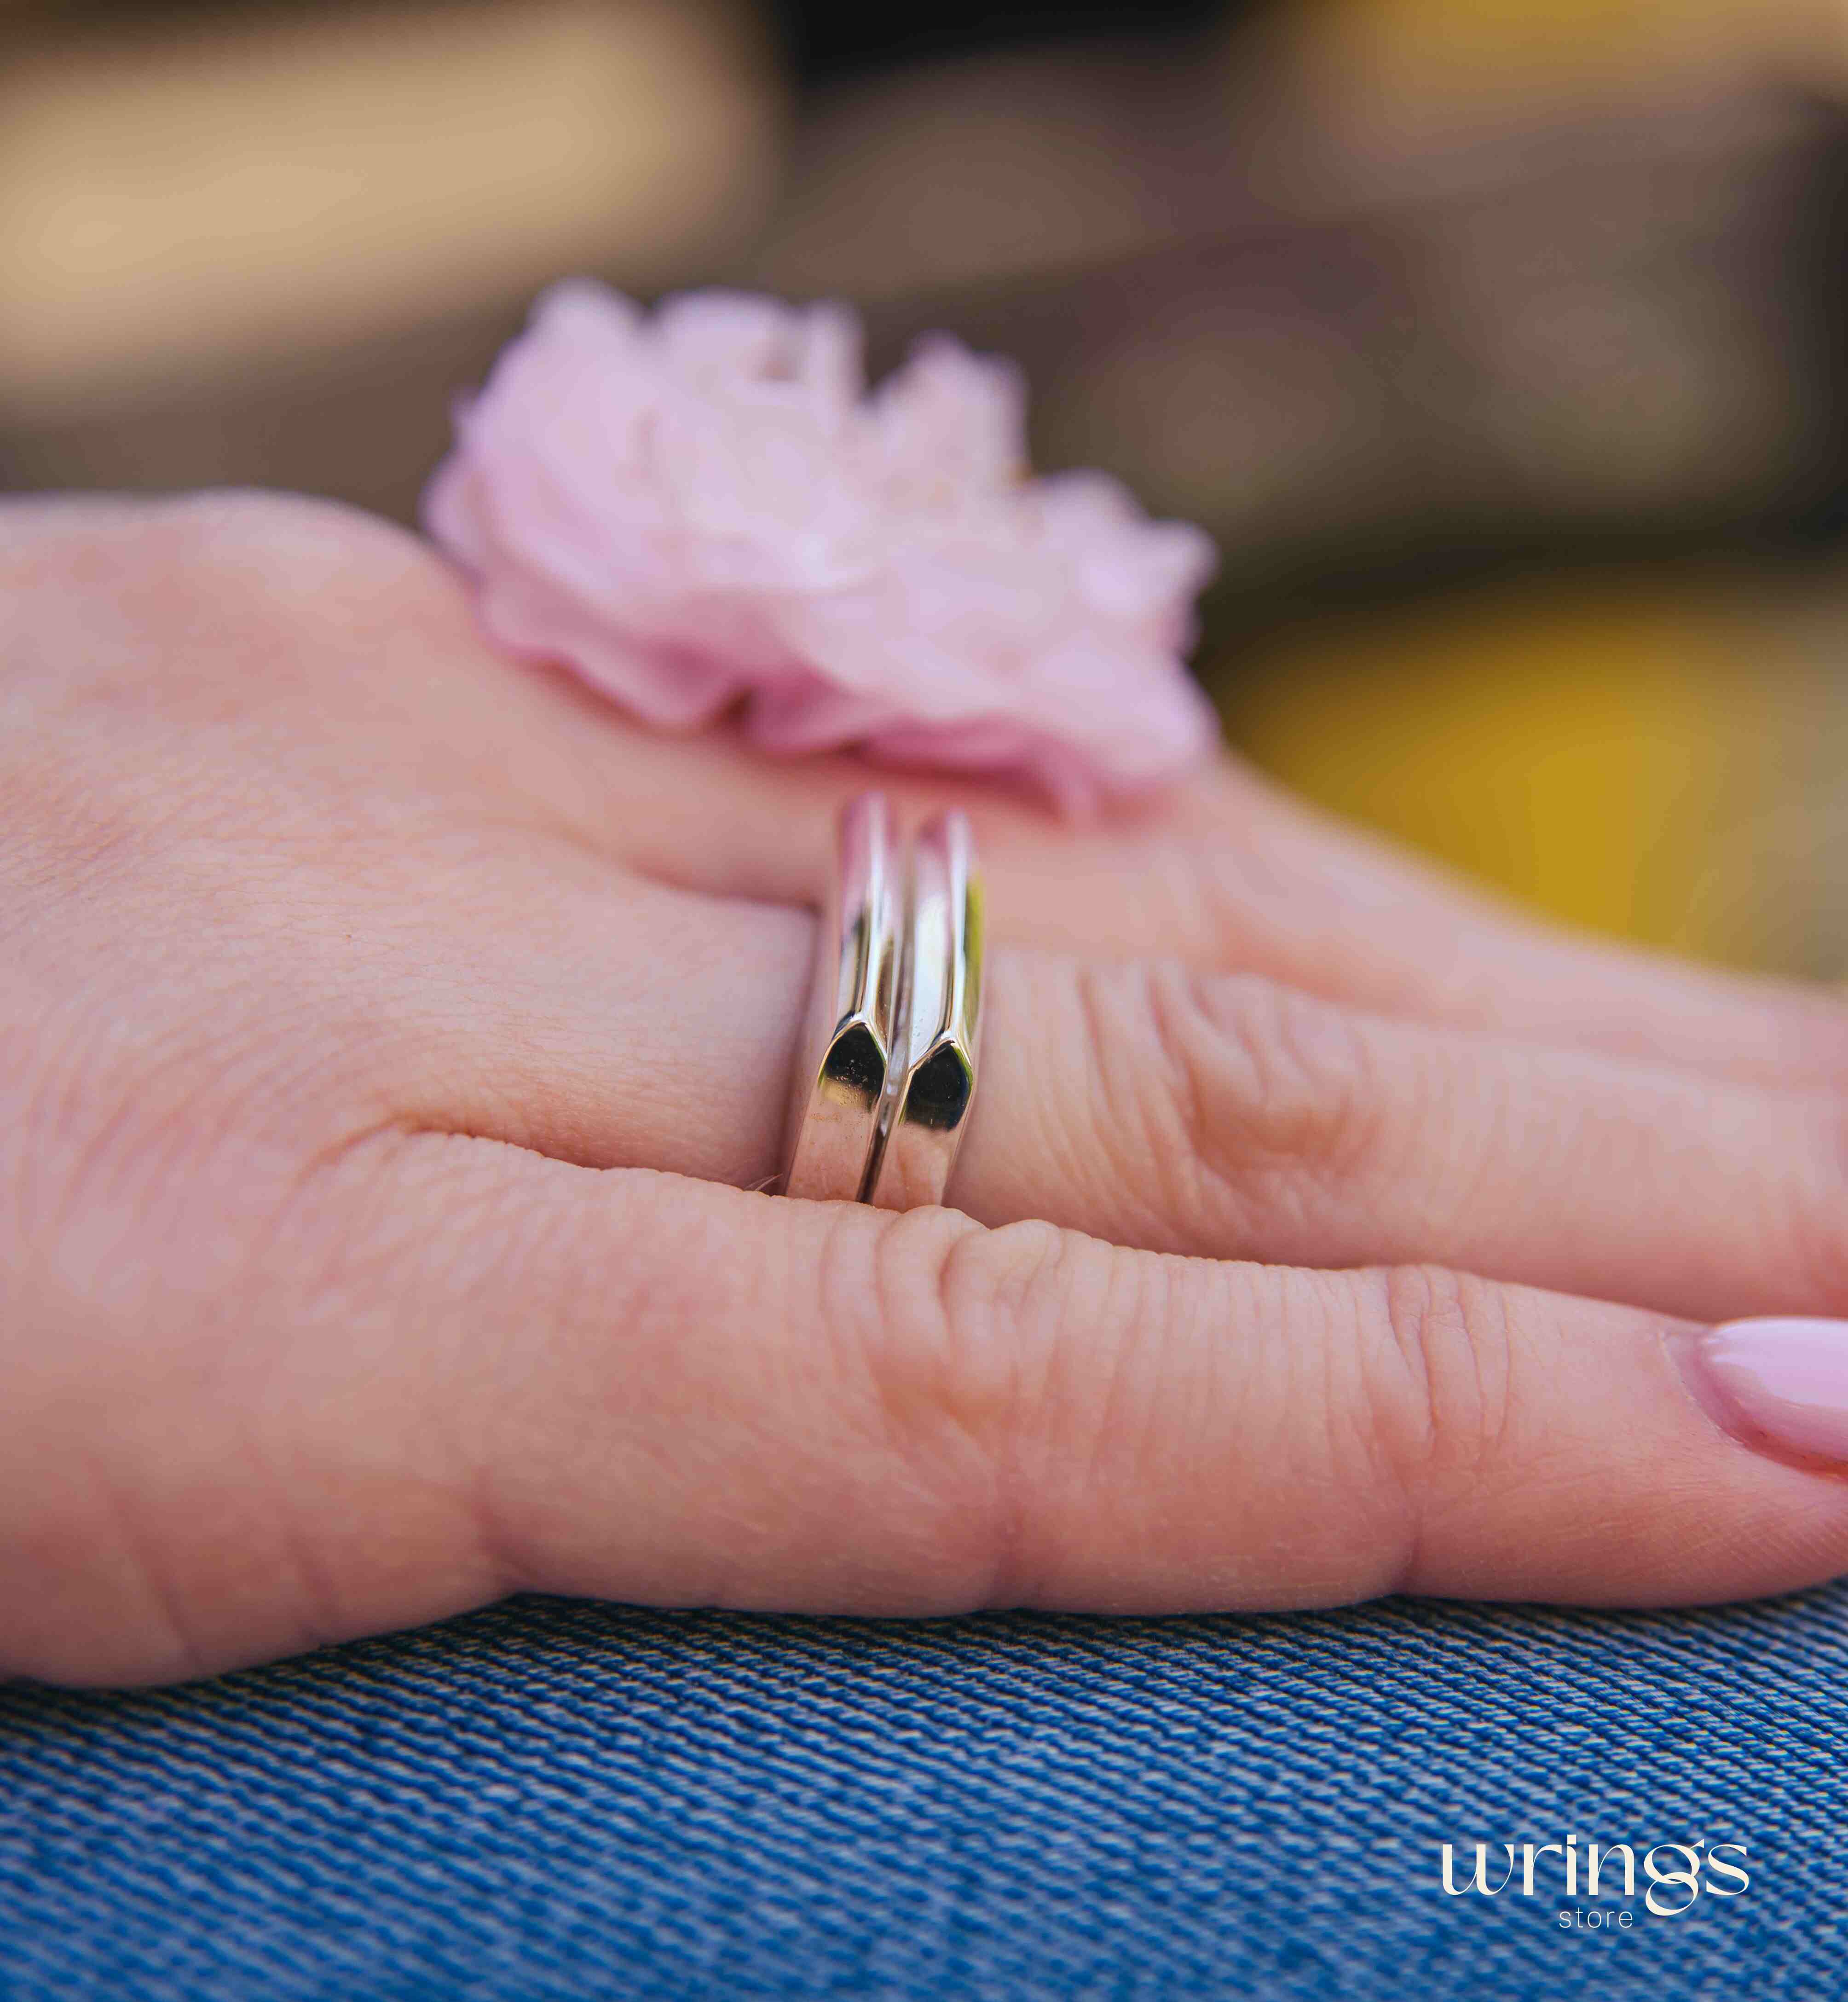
(383, 1022)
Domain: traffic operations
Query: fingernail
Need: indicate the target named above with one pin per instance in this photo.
(1779, 1385)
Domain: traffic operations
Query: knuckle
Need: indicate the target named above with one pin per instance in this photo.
(247, 581)
(225, 529)
(1287, 1075)
(1237, 1101)
(1442, 1387)
(948, 1333)
(236, 529)
(287, 567)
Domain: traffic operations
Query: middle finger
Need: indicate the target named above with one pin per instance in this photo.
(1164, 1108)
(1157, 1107)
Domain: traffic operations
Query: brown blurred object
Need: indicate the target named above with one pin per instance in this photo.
(1008, 169)
(1611, 320)
(275, 254)
(247, 250)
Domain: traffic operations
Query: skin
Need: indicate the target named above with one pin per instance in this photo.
(390, 1038)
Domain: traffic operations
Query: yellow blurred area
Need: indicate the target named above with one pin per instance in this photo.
(1495, 50)
(1648, 758)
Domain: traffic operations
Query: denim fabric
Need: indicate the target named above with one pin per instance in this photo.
(550, 1800)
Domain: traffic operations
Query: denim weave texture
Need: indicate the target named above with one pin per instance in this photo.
(559, 1800)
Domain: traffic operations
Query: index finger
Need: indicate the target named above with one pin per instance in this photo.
(467, 1370)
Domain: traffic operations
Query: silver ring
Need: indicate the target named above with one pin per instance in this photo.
(839, 1087)
(930, 1084)
(886, 1079)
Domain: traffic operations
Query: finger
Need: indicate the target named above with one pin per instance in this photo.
(1226, 873)
(484, 1371)
(590, 1018)
(1158, 1106)
(1151, 1105)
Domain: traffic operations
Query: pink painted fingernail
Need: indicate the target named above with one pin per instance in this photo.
(1781, 1385)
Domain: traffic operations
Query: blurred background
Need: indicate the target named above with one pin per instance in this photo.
(1503, 344)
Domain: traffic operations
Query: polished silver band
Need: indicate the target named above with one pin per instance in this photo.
(839, 1087)
(931, 1082)
(887, 1077)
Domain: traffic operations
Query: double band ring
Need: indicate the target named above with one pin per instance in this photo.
(887, 1073)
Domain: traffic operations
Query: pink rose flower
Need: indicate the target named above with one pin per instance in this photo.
(703, 507)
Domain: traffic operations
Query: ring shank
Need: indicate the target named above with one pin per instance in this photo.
(931, 1084)
(840, 1081)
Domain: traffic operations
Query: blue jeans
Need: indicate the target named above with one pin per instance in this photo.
(549, 1800)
